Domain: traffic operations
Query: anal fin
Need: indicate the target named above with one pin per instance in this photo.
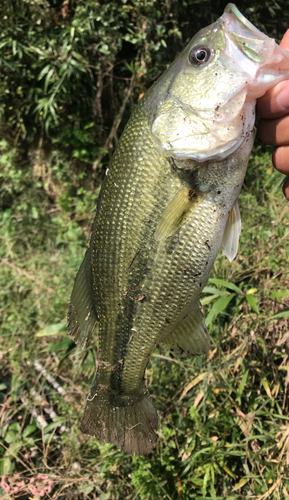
(232, 232)
(81, 315)
(191, 336)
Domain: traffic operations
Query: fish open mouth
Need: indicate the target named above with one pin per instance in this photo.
(255, 53)
(252, 43)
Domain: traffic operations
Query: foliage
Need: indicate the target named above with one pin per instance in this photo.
(66, 67)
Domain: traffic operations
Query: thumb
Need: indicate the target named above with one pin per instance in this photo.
(275, 103)
(285, 41)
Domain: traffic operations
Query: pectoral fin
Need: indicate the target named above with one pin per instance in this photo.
(191, 336)
(81, 316)
(232, 232)
(177, 212)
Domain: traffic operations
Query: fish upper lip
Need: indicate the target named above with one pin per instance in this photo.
(232, 16)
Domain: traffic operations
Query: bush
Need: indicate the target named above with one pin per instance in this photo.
(68, 66)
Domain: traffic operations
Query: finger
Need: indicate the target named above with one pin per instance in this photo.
(286, 189)
(274, 132)
(285, 41)
(281, 159)
(275, 103)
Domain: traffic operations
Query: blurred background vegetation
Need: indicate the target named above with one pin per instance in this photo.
(71, 72)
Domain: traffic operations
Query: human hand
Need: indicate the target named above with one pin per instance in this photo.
(273, 128)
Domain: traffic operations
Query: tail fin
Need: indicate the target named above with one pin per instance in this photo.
(127, 421)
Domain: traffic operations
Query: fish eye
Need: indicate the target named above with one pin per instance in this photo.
(199, 55)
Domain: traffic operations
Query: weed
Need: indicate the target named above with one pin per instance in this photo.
(223, 417)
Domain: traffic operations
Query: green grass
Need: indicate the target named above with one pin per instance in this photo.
(224, 422)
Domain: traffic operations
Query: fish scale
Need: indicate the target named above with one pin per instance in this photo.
(167, 206)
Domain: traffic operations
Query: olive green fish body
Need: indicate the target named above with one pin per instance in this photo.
(167, 206)
(144, 288)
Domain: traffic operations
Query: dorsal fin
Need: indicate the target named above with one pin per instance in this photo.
(177, 212)
(82, 316)
(232, 232)
(191, 336)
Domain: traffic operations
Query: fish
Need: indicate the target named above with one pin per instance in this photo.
(168, 204)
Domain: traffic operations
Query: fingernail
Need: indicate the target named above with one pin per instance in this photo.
(283, 98)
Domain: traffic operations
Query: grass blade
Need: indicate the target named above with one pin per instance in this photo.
(226, 284)
(52, 329)
(282, 314)
(218, 306)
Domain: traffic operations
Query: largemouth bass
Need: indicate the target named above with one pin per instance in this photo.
(167, 206)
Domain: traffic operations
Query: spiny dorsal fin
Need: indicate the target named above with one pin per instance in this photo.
(191, 336)
(177, 212)
(81, 316)
(232, 232)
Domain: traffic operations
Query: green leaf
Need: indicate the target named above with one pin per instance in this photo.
(88, 125)
(214, 291)
(80, 58)
(64, 344)
(241, 483)
(77, 65)
(243, 383)
(13, 448)
(212, 487)
(86, 487)
(6, 466)
(44, 71)
(207, 300)
(67, 353)
(266, 387)
(54, 424)
(206, 478)
(277, 185)
(197, 480)
(262, 344)
(52, 329)
(228, 470)
(282, 314)
(11, 436)
(226, 284)
(279, 295)
(47, 79)
(30, 441)
(3, 387)
(28, 430)
(252, 303)
(218, 306)
(15, 427)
